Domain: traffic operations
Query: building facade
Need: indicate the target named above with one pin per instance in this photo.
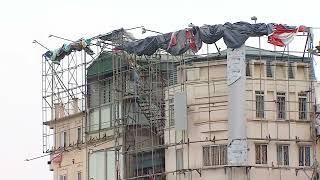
(279, 109)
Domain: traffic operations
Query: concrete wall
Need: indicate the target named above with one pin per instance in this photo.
(268, 130)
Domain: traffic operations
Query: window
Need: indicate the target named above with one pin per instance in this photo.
(94, 119)
(261, 154)
(302, 106)
(214, 155)
(281, 105)
(79, 135)
(93, 94)
(79, 175)
(304, 155)
(179, 159)
(283, 155)
(63, 139)
(106, 89)
(248, 72)
(259, 104)
(171, 113)
(106, 116)
(290, 71)
(269, 70)
(63, 177)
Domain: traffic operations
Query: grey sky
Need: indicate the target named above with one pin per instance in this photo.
(20, 70)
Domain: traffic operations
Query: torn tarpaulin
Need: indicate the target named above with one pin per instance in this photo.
(234, 36)
(283, 35)
(147, 46)
(116, 35)
(175, 43)
(183, 40)
(66, 49)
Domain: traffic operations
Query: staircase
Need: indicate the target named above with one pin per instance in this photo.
(150, 102)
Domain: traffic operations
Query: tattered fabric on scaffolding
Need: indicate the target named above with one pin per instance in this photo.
(234, 36)
(176, 43)
(57, 55)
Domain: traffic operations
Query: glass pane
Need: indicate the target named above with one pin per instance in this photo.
(79, 135)
(259, 106)
(206, 156)
(301, 156)
(248, 73)
(215, 155)
(264, 154)
(179, 160)
(223, 154)
(269, 70)
(302, 108)
(105, 116)
(279, 154)
(286, 155)
(94, 120)
(307, 156)
(258, 159)
(111, 165)
(62, 143)
(97, 166)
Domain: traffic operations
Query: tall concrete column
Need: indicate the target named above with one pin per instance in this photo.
(236, 78)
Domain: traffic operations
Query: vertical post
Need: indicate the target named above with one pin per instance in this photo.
(237, 149)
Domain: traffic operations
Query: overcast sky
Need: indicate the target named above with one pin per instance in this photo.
(20, 71)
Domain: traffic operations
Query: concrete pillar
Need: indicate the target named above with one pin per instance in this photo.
(236, 76)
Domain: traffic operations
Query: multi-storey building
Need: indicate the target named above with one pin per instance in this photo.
(167, 118)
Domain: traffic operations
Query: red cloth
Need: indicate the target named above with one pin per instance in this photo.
(283, 35)
(57, 158)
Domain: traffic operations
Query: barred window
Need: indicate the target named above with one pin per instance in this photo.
(259, 104)
(214, 155)
(283, 155)
(302, 106)
(261, 153)
(281, 105)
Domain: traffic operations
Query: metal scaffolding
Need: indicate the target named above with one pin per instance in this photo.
(128, 100)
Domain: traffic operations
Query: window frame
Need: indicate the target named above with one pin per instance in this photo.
(248, 69)
(281, 105)
(79, 135)
(303, 109)
(260, 161)
(220, 159)
(282, 158)
(303, 161)
(260, 103)
(63, 138)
